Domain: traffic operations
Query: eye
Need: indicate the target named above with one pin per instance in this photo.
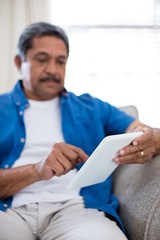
(41, 59)
(61, 61)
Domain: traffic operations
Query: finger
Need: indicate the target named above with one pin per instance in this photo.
(59, 163)
(146, 140)
(135, 157)
(146, 137)
(132, 149)
(72, 152)
(80, 153)
(71, 155)
(57, 168)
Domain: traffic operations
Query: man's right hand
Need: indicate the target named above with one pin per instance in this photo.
(60, 161)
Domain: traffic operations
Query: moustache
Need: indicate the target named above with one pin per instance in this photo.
(51, 78)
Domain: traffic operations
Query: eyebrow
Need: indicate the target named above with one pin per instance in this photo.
(46, 54)
(41, 53)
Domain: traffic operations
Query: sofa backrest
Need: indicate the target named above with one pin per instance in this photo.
(131, 110)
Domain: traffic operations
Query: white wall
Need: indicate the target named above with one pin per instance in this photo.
(119, 66)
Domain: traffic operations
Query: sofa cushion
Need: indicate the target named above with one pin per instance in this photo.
(137, 187)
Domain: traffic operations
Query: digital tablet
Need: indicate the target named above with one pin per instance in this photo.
(99, 165)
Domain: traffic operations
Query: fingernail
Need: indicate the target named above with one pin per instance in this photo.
(135, 143)
(121, 152)
(116, 160)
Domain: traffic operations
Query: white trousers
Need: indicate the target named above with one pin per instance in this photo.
(60, 221)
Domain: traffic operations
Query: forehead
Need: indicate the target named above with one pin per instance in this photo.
(49, 44)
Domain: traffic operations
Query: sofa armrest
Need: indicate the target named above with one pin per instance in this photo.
(131, 110)
(137, 186)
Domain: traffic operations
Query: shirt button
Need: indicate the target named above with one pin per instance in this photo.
(17, 103)
(21, 113)
(6, 166)
(5, 205)
(22, 140)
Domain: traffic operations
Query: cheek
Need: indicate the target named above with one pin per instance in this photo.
(37, 72)
(63, 73)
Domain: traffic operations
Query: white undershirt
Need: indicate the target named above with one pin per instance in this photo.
(43, 129)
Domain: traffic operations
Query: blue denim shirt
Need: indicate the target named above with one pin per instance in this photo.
(85, 122)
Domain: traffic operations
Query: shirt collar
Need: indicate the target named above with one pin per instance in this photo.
(20, 98)
(18, 95)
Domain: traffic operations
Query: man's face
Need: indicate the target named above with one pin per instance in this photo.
(43, 71)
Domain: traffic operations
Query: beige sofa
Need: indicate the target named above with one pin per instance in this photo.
(137, 187)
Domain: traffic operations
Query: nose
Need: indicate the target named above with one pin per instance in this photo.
(51, 67)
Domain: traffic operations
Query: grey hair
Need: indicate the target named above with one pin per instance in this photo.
(39, 29)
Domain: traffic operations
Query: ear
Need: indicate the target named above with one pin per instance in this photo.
(18, 62)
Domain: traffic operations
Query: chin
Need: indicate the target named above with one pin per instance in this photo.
(50, 95)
